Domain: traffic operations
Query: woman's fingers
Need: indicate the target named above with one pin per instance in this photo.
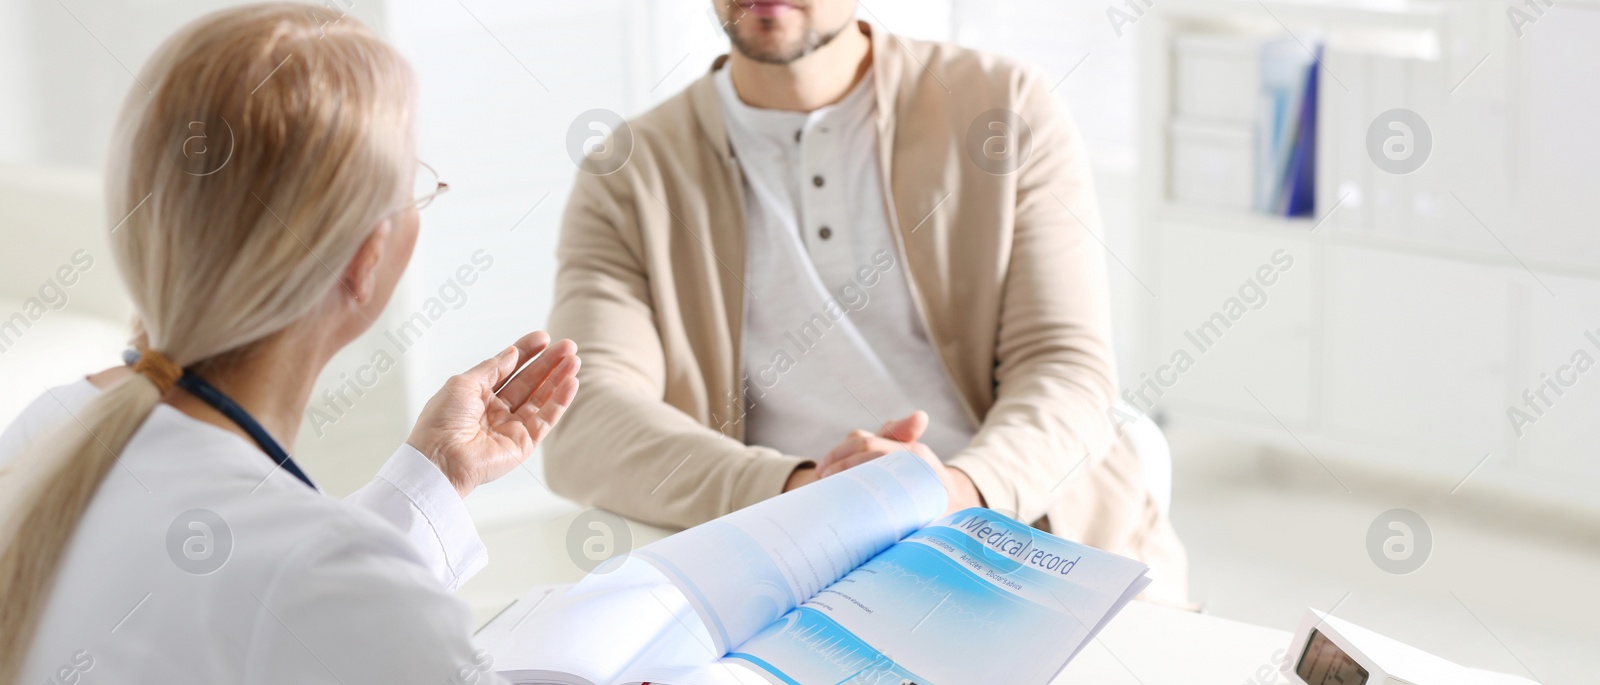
(528, 380)
(540, 417)
(488, 374)
(554, 383)
(492, 373)
(548, 402)
(566, 368)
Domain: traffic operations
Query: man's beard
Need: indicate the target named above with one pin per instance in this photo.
(810, 42)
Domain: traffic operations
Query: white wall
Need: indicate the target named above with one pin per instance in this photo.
(14, 77)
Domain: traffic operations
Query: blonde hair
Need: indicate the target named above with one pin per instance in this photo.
(305, 120)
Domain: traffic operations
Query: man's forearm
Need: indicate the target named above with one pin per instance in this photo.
(647, 460)
(964, 489)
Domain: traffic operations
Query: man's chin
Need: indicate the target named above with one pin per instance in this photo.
(772, 49)
(782, 46)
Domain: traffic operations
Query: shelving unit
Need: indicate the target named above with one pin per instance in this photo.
(1416, 312)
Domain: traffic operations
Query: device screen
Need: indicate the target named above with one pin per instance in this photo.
(1323, 663)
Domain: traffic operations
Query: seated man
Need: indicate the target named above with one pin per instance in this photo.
(834, 229)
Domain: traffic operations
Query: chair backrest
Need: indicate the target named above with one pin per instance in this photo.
(1155, 455)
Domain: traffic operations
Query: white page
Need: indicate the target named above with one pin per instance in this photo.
(743, 571)
(595, 630)
(973, 598)
(723, 672)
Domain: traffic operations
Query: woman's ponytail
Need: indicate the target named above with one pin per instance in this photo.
(48, 493)
(220, 246)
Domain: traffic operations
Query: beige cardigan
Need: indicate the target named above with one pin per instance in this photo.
(1010, 283)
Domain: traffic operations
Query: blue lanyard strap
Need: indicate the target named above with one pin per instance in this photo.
(222, 403)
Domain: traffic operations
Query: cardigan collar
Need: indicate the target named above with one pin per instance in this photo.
(887, 66)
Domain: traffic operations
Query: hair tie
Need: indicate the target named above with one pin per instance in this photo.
(158, 368)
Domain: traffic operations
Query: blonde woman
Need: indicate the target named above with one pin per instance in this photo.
(155, 530)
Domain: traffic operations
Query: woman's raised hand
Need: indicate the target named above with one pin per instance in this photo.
(475, 434)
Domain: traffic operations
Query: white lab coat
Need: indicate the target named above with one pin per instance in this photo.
(199, 561)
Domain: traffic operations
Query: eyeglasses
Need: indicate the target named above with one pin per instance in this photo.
(427, 186)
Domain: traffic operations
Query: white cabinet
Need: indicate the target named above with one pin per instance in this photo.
(1556, 149)
(1238, 304)
(1416, 351)
(1560, 424)
(1419, 313)
(1213, 165)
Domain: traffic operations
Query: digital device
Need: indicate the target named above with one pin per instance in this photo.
(1328, 650)
(1324, 663)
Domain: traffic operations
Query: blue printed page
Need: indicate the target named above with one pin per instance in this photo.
(973, 598)
(745, 570)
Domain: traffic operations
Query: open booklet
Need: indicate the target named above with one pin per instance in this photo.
(846, 580)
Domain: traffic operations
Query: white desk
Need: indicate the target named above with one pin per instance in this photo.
(1144, 645)
(1152, 645)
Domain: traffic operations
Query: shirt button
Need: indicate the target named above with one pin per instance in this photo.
(797, 136)
(816, 181)
(825, 233)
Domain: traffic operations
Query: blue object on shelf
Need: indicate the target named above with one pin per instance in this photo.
(1299, 183)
